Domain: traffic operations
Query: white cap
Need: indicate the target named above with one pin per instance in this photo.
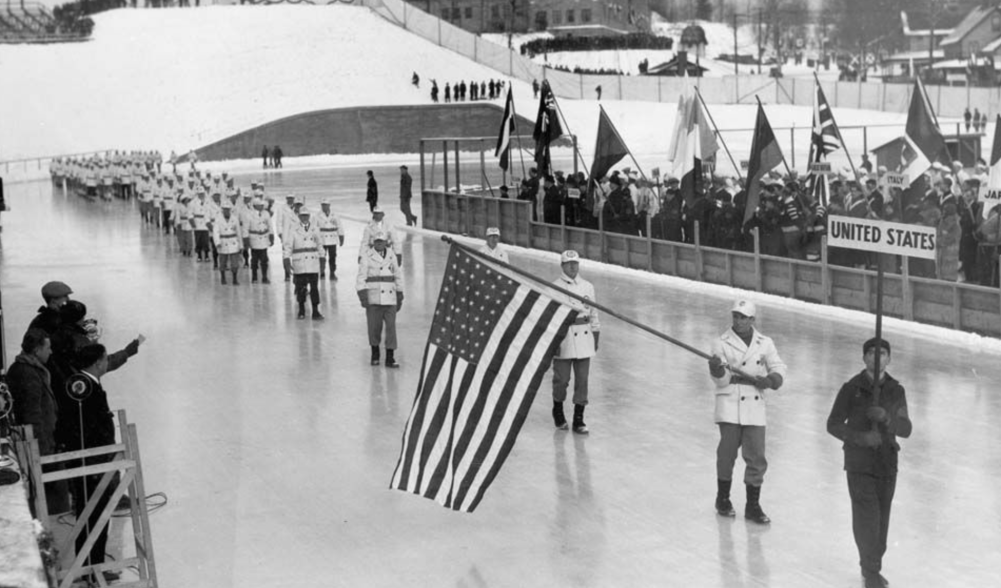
(568, 256)
(378, 210)
(380, 236)
(325, 202)
(303, 211)
(493, 231)
(300, 200)
(226, 205)
(744, 307)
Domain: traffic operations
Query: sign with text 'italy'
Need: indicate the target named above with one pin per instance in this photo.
(881, 236)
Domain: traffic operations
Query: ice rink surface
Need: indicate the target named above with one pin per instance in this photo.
(275, 441)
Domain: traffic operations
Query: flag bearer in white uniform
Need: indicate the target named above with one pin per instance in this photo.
(302, 247)
(332, 234)
(379, 224)
(380, 290)
(740, 406)
(577, 348)
(493, 247)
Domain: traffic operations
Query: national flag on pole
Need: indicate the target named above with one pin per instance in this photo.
(491, 342)
(922, 136)
(991, 194)
(506, 130)
(825, 139)
(692, 142)
(765, 155)
(609, 148)
(547, 128)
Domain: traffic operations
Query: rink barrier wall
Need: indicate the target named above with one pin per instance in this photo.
(368, 129)
(964, 307)
(948, 101)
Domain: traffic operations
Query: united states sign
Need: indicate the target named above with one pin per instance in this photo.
(881, 236)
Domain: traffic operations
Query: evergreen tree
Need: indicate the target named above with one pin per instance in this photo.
(704, 10)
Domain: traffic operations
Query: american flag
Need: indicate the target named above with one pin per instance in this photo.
(824, 140)
(492, 340)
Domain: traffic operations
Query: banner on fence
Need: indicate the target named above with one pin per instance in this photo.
(881, 236)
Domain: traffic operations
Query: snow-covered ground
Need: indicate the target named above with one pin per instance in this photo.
(180, 79)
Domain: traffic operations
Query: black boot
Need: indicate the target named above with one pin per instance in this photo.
(752, 511)
(723, 505)
(316, 313)
(578, 420)
(375, 355)
(302, 311)
(559, 419)
(253, 276)
(390, 360)
(235, 281)
(223, 274)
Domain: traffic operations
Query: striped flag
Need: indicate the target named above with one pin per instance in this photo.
(991, 193)
(507, 128)
(492, 340)
(765, 155)
(825, 139)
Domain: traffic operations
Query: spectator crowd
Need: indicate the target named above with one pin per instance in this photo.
(601, 43)
(789, 220)
(462, 91)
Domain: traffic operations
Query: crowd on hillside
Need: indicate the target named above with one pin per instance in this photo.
(597, 43)
(790, 222)
(462, 91)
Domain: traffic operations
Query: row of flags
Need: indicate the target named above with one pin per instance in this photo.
(494, 334)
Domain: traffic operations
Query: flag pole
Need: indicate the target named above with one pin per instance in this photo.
(619, 137)
(705, 108)
(521, 152)
(840, 138)
(762, 107)
(566, 126)
(575, 296)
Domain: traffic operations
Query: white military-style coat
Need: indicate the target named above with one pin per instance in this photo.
(259, 229)
(302, 246)
(330, 229)
(579, 342)
(497, 253)
(372, 229)
(738, 401)
(380, 276)
(198, 212)
(227, 234)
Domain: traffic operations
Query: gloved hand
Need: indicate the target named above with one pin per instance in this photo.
(399, 301)
(716, 367)
(132, 348)
(868, 439)
(363, 298)
(399, 259)
(596, 337)
(340, 240)
(271, 239)
(246, 243)
(877, 414)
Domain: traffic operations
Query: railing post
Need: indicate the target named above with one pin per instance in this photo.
(563, 226)
(444, 162)
(649, 244)
(698, 254)
(825, 273)
(423, 187)
(906, 293)
(601, 233)
(458, 181)
(758, 278)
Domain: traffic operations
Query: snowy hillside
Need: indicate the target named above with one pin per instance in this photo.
(177, 79)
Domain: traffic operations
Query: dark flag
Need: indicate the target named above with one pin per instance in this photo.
(923, 145)
(547, 128)
(765, 155)
(991, 193)
(491, 342)
(506, 130)
(608, 150)
(825, 139)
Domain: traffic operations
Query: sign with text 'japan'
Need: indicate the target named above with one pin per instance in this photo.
(991, 198)
(821, 168)
(881, 236)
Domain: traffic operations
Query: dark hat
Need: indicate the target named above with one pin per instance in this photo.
(55, 290)
(871, 344)
(404, 167)
(72, 312)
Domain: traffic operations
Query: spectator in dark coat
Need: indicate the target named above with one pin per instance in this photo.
(529, 190)
(372, 189)
(406, 194)
(552, 202)
(277, 154)
(619, 213)
(266, 155)
(35, 404)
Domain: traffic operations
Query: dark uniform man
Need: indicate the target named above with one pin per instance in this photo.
(406, 194)
(869, 428)
(371, 191)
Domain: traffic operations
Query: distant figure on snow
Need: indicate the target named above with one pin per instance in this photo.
(434, 91)
(448, 93)
(276, 156)
(535, 88)
(416, 80)
(372, 190)
(265, 154)
(597, 90)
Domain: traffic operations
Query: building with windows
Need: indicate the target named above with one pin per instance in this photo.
(570, 17)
